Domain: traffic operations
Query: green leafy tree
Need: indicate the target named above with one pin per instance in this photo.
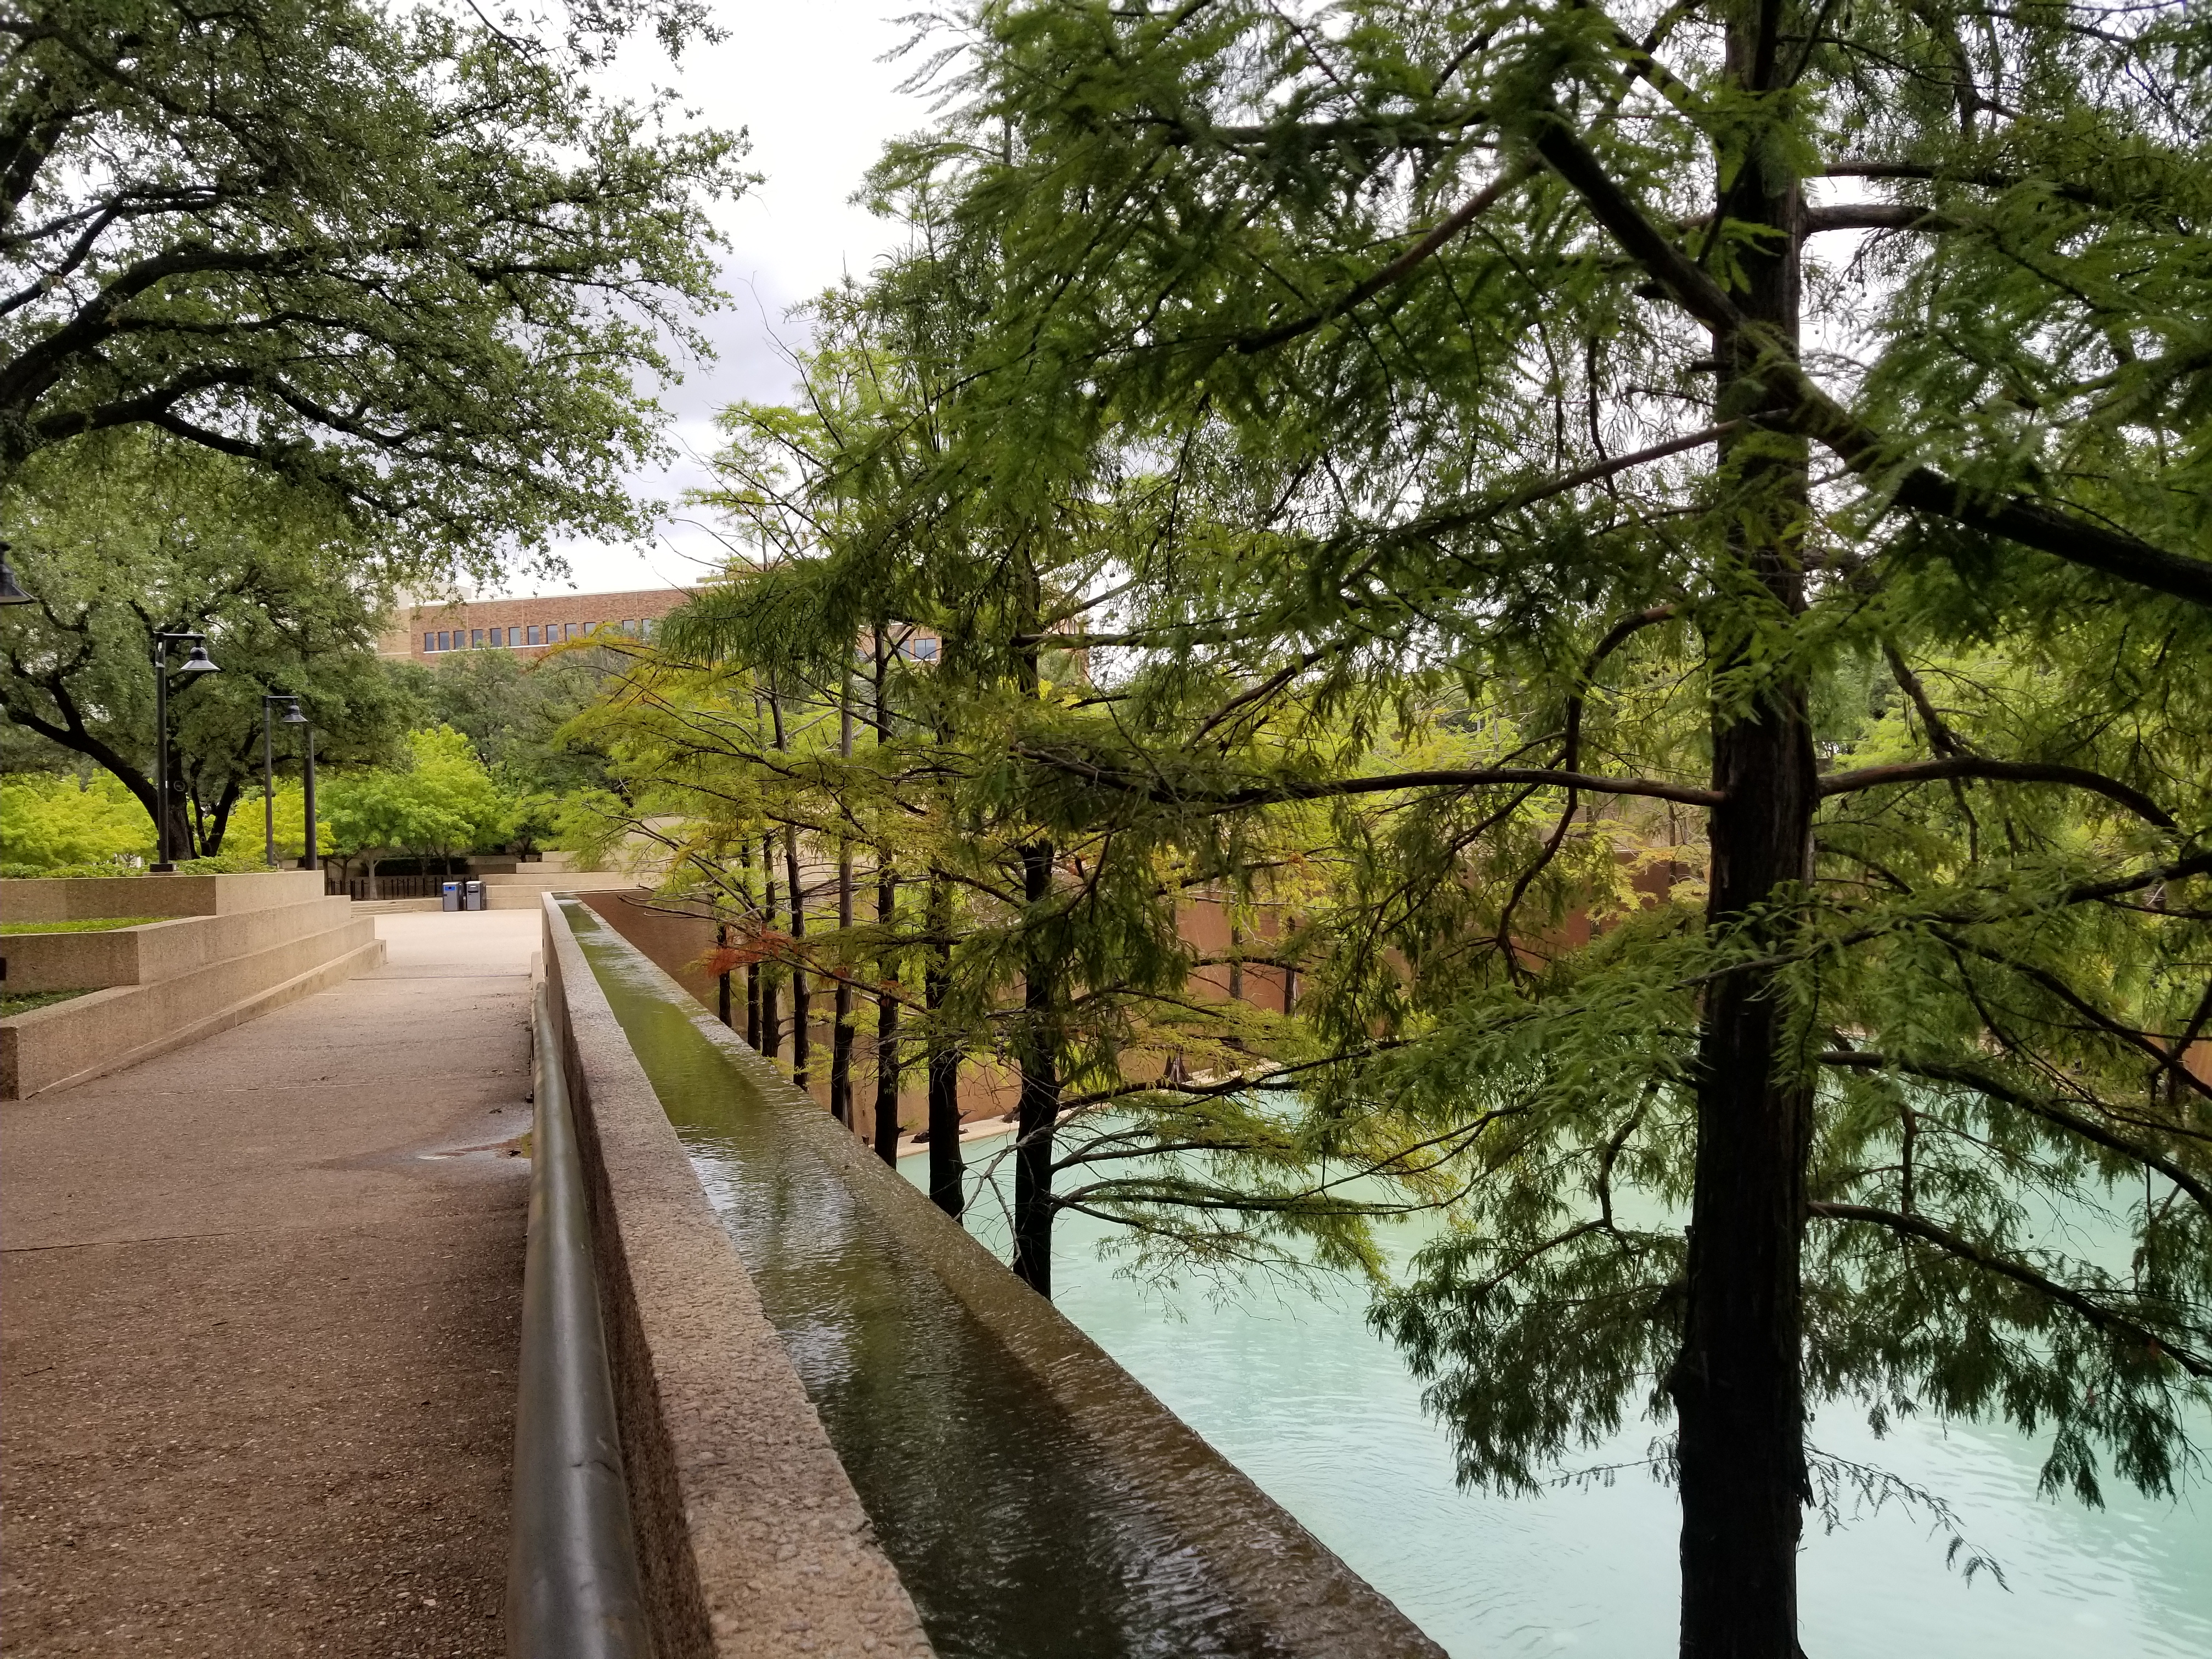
(50, 820)
(131, 533)
(514, 709)
(1562, 454)
(403, 254)
(1040, 940)
(442, 803)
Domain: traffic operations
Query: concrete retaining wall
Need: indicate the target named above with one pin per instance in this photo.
(750, 1538)
(53, 1047)
(87, 898)
(159, 949)
(523, 892)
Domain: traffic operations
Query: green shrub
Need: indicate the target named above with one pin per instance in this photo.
(53, 822)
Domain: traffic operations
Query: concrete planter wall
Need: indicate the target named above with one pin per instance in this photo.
(160, 949)
(87, 898)
(265, 940)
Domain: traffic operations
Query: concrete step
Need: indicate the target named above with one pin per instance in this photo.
(66, 1042)
(159, 949)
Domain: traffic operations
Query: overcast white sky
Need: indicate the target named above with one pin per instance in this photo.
(806, 80)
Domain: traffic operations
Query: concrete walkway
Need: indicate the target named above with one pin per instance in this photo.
(258, 1321)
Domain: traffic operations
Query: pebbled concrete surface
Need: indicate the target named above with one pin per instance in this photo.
(257, 1303)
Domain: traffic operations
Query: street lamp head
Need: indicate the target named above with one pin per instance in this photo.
(292, 715)
(198, 663)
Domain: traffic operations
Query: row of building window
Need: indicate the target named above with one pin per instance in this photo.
(480, 639)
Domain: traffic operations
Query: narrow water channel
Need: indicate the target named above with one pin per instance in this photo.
(1009, 1529)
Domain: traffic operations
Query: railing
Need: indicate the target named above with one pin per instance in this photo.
(572, 1578)
(387, 887)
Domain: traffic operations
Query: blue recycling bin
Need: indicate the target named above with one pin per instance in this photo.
(449, 896)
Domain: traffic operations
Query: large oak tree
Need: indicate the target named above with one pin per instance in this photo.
(402, 253)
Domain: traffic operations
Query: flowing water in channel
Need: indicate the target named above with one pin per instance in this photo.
(1014, 1535)
(1015, 1539)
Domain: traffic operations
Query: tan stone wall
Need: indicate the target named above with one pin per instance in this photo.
(87, 898)
(539, 624)
(159, 949)
(67, 1042)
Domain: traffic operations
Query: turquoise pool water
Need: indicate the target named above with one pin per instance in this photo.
(1293, 1386)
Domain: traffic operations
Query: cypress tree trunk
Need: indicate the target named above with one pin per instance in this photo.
(752, 968)
(1037, 1047)
(841, 1028)
(1738, 1383)
(771, 1043)
(887, 1022)
(947, 1169)
(1037, 1055)
(887, 1069)
(722, 985)
(801, 1000)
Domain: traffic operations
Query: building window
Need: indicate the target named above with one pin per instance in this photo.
(475, 638)
(429, 642)
(571, 627)
(442, 637)
(533, 633)
(629, 626)
(645, 628)
(925, 649)
(514, 636)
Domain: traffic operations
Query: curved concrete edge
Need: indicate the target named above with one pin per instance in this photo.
(750, 1537)
(1299, 1590)
(36, 1045)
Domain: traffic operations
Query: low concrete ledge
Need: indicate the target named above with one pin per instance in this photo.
(750, 1538)
(159, 949)
(1303, 1598)
(51, 1048)
(523, 892)
(88, 898)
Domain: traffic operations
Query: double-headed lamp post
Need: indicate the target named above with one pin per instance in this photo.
(197, 662)
(292, 717)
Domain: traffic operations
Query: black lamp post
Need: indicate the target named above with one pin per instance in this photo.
(310, 857)
(292, 717)
(197, 662)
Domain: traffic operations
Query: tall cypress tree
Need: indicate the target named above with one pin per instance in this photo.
(1564, 461)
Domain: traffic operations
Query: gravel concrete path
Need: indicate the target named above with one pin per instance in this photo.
(258, 1323)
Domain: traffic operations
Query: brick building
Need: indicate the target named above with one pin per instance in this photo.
(430, 631)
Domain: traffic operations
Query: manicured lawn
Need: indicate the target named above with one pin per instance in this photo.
(30, 1000)
(97, 924)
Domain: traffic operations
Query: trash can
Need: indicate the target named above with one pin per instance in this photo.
(475, 896)
(449, 896)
